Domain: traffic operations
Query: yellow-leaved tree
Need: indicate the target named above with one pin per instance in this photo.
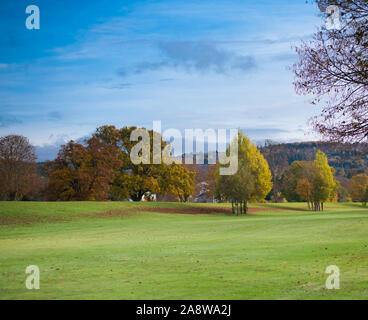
(311, 181)
(251, 182)
(179, 181)
(324, 184)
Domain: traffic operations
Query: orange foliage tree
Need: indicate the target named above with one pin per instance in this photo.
(82, 172)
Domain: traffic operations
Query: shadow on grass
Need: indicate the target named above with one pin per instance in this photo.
(283, 208)
(357, 205)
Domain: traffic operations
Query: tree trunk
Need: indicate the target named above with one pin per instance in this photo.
(315, 206)
(245, 208)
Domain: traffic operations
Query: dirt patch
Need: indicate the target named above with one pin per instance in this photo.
(29, 220)
(189, 210)
(271, 207)
(33, 219)
(8, 220)
(111, 213)
(197, 210)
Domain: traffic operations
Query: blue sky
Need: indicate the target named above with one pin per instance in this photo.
(191, 64)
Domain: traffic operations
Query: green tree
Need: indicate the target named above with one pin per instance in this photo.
(359, 188)
(251, 182)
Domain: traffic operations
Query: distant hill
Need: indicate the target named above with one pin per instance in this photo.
(347, 159)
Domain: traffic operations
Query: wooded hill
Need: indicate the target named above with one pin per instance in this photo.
(347, 159)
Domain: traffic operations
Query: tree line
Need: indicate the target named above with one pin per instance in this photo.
(100, 169)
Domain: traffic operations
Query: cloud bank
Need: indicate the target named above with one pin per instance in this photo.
(196, 56)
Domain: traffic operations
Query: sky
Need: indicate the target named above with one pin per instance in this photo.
(189, 64)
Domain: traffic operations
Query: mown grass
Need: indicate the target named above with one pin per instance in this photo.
(122, 250)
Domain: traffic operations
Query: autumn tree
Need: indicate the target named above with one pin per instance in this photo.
(18, 171)
(343, 194)
(210, 180)
(324, 184)
(82, 172)
(304, 189)
(131, 181)
(178, 180)
(333, 68)
(309, 181)
(359, 188)
(135, 180)
(296, 172)
(251, 182)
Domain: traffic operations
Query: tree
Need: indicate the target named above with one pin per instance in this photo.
(82, 172)
(131, 181)
(18, 170)
(359, 188)
(324, 184)
(334, 69)
(313, 182)
(343, 194)
(135, 180)
(304, 190)
(178, 180)
(252, 181)
(210, 180)
(296, 172)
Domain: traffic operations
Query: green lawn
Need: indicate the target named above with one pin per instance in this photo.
(122, 250)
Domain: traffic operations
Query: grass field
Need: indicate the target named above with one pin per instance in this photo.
(122, 250)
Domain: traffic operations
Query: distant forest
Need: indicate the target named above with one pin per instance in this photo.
(347, 159)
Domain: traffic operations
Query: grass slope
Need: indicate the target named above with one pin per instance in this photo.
(114, 250)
